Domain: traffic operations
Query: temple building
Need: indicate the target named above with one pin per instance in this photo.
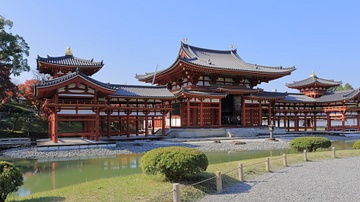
(212, 87)
(94, 108)
(216, 88)
(203, 88)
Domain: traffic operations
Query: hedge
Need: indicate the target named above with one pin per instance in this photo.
(176, 163)
(310, 143)
(356, 145)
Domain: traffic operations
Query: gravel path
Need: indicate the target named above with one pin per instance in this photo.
(144, 146)
(328, 180)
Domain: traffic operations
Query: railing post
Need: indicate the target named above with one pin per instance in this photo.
(176, 192)
(267, 164)
(241, 172)
(285, 160)
(333, 152)
(305, 155)
(218, 182)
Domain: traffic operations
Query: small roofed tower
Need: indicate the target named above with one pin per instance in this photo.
(63, 65)
(314, 86)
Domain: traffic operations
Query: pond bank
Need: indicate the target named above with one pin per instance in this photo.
(141, 146)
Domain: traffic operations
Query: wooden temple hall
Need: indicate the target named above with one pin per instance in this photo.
(203, 88)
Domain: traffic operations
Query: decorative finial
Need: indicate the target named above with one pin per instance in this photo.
(68, 51)
(232, 46)
(185, 40)
(313, 74)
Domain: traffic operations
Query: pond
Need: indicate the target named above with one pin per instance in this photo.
(46, 174)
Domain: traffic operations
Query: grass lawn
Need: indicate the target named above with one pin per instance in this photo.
(140, 187)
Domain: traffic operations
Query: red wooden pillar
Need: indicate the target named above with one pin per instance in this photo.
(343, 121)
(137, 119)
(153, 123)
(127, 122)
(219, 110)
(358, 121)
(260, 114)
(146, 112)
(163, 121)
(170, 115)
(201, 112)
(243, 111)
(285, 119)
(314, 122)
(55, 127)
(328, 121)
(108, 124)
(305, 121)
(296, 122)
(97, 125)
(50, 126)
(270, 114)
(188, 112)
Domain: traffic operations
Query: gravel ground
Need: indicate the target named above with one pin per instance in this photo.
(144, 146)
(328, 180)
(141, 146)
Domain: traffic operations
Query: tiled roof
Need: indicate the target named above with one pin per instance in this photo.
(199, 93)
(120, 90)
(143, 91)
(339, 96)
(225, 59)
(233, 89)
(64, 78)
(220, 60)
(297, 98)
(335, 96)
(268, 95)
(70, 60)
(312, 81)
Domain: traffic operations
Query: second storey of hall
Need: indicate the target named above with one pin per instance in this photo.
(197, 67)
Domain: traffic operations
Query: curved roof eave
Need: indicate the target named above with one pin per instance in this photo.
(74, 75)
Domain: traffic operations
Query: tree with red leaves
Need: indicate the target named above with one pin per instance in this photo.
(26, 90)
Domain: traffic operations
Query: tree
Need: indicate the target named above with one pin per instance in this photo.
(13, 50)
(346, 86)
(10, 179)
(7, 88)
(26, 90)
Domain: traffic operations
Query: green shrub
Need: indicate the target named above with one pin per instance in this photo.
(356, 145)
(174, 162)
(310, 143)
(10, 179)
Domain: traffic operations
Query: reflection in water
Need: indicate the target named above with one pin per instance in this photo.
(46, 174)
(43, 175)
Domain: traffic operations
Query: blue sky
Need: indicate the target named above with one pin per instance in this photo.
(135, 36)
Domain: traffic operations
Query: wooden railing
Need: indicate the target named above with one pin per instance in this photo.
(335, 109)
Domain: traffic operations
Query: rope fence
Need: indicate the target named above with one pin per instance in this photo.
(240, 169)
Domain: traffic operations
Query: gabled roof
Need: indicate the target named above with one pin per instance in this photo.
(135, 91)
(67, 77)
(68, 63)
(69, 60)
(225, 59)
(132, 91)
(219, 60)
(314, 81)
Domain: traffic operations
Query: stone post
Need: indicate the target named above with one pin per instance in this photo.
(218, 182)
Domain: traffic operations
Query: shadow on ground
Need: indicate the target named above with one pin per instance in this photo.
(42, 199)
